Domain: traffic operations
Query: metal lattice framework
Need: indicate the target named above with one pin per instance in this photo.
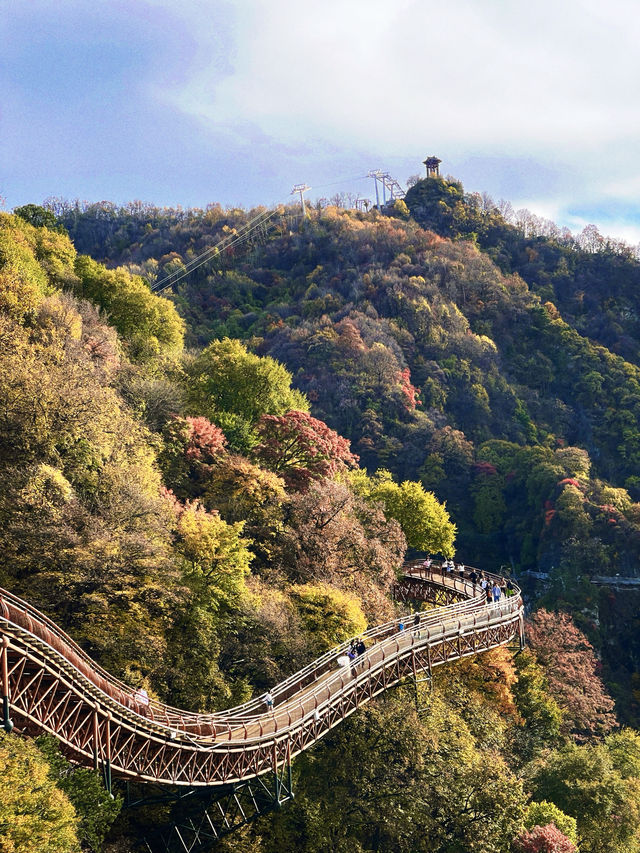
(199, 817)
(50, 685)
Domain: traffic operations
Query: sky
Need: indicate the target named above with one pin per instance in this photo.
(190, 102)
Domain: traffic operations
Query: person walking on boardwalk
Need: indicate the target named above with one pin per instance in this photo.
(268, 701)
(497, 592)
(141, 698)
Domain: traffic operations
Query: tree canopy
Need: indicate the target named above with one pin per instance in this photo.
(424, 520)
(572, 669)
(301, 448)
(234, 388)
(149, 323)
(34, 813)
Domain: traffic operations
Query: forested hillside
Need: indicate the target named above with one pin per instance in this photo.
(497, 366)
(354, 388)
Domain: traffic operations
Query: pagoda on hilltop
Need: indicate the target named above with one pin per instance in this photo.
(433, 166)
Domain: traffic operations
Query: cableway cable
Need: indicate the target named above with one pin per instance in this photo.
(175, 277)
(232, 240)
(225, 243)
(244, 231)
(341, 181)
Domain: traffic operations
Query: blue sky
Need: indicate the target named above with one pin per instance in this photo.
(196, 101)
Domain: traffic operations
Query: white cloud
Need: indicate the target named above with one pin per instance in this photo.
(530, 101)
(556, 82)
(475, 74)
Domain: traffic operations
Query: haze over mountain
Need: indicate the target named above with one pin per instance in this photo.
(236, 102)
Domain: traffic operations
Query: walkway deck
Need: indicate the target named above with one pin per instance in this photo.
(50, 685)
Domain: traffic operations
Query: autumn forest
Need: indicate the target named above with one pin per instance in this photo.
(210, 486)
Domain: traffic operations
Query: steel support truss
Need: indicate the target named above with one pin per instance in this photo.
(415, 589)
(48, 686)
(202, 816)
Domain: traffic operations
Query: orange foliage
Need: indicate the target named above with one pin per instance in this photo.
(571, 667)
(493, 674)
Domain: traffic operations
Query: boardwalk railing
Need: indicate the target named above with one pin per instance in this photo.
(50, 685)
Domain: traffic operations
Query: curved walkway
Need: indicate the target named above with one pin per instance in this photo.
(50, 685)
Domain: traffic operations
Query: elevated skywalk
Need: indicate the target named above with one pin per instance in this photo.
(50, 685)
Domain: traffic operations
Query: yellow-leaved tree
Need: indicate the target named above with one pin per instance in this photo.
(149, 323)
(424, 520)
(327, 614)
(34, 813)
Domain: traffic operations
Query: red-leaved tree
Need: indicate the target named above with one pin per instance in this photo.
(571, 668)
(543, 839)
(204, 440)
(410, 391)
(191, 447)
(301, 448)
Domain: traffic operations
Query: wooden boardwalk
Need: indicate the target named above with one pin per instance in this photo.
(50, 685)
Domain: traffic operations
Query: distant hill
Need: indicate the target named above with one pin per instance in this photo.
(205, 519)
(498, 366)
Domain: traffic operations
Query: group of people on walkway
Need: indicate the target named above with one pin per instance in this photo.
(350, 657)
(448, 566)
(493, 588)
(357, 647)
(415, 627)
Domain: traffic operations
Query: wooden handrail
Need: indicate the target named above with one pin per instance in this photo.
(94, 715)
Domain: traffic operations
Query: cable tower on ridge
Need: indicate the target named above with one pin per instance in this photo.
(260, 223)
